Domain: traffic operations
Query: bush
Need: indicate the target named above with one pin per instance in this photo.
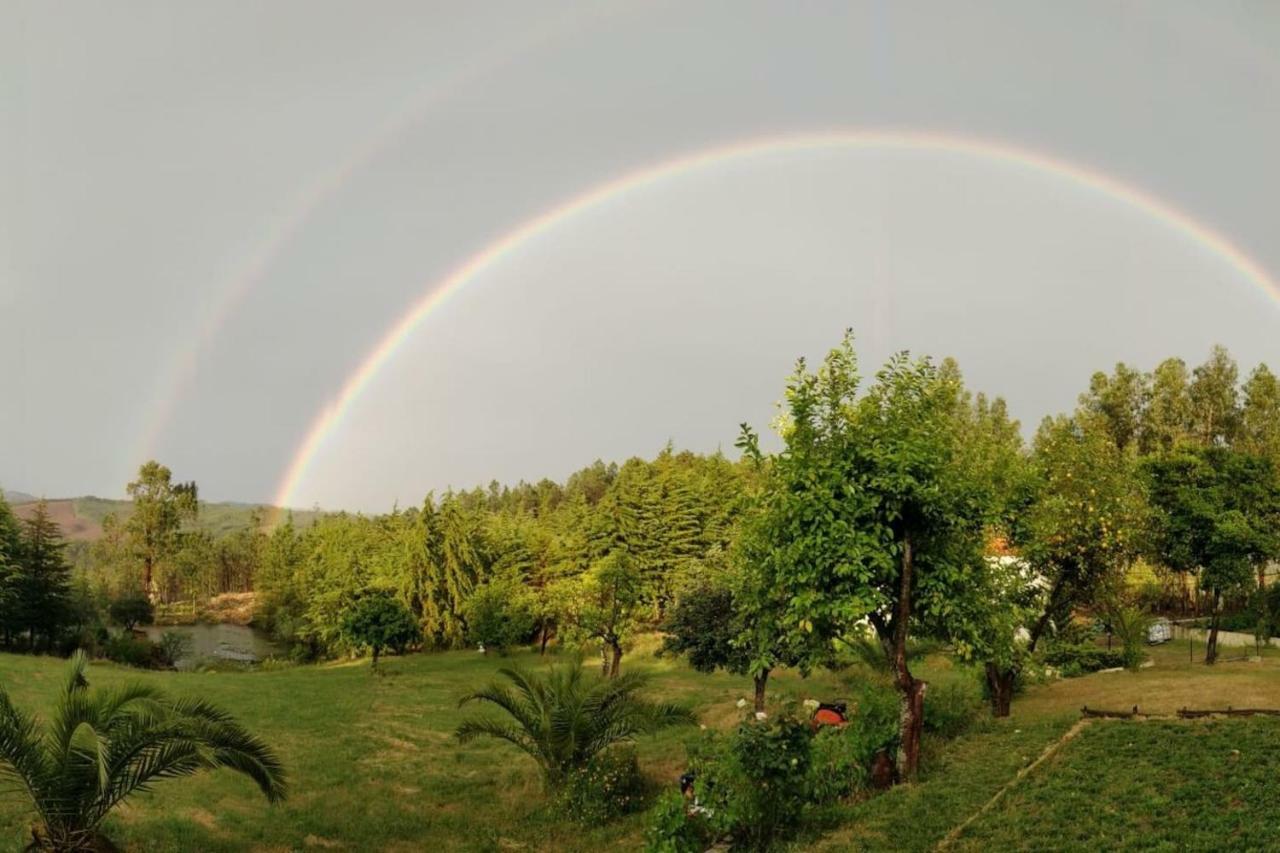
(173, 647)
(1075, 660)
(951, 707)
(130, 651)
(839, 764)
(673, 830)
(130, 611)
(499, 614)
(703, 626)
(609, 786)
(754, 783)
(377, 621)
(873, 719)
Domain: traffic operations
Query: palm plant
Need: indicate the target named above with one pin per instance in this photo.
(564, 718)
(102, 745)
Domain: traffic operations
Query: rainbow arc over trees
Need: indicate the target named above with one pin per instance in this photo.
(1106, 186)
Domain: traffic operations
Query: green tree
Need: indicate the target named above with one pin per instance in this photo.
(1082, 526)
(1117, 403)
(1260, 414)
(45, 580)
(131, 610)
(377, 621)
(100, 747)
(563, 718)
(872, 513)
(1217, 515)
(1215, 399)
(500, 613)
(11, 573)
(604, 604)
(1167, 421)
(160, 507)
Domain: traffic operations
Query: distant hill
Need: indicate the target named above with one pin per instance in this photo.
(81, 518)
(17, 497)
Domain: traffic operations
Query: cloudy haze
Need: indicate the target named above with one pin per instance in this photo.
(210, 213)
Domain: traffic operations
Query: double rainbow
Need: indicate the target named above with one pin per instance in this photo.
(330, 418)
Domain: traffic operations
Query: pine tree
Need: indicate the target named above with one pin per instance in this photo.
(46, 578)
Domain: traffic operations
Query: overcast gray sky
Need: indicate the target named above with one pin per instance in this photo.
(210, 213)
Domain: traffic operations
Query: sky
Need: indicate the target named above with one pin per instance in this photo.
(212, 214)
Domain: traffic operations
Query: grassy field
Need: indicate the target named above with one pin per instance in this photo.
(374, 764)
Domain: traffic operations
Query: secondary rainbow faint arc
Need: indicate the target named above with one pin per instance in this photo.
(1106, 185)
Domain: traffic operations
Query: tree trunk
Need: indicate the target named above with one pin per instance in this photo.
(760, 681)
(615, 665)
(1000, 686)
(1211, 648)
(911, 708)
(375, 659)
(604, 659)
(146, 579)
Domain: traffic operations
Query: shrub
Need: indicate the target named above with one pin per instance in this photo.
(951, 707)
(563, 718)
(130, 611)
(130, 651)
(173, 647)
(609, 785)
(703, 626)
(673, 830)
(873, 719)
(378, 621)
(839, 764)
(755, 783)
(499, 614)
(1075, 660)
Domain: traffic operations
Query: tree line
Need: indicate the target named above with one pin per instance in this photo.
(878, 519)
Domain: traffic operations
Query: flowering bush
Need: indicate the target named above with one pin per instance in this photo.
(754, 783)
(672, 829)
(610, 785)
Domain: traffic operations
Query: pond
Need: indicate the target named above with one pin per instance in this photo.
(224, 642)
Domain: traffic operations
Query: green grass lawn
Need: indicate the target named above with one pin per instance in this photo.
(374, 765)
(1154, 785)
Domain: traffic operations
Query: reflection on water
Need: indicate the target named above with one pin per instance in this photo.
(224, 642)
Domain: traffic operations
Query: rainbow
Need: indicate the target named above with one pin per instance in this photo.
(180, 371)
(329, 419)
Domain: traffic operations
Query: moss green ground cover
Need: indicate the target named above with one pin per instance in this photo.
(1154, 785)
(374, 765)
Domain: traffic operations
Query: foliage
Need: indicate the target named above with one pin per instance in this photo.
(377, 621)
(672, 829)
(704, 626)
(563, 718)
(102, 746)
(874, 510)
(839, 764)
(952, 707)
(130, 611)
(604, 605)
(608, 786)
(1218, 512)
(36, 607)
(173, 647)
(160, 507)
(755, 781)
(1075, 659)
(500, 614)
(1129, 624)
(129, 650)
